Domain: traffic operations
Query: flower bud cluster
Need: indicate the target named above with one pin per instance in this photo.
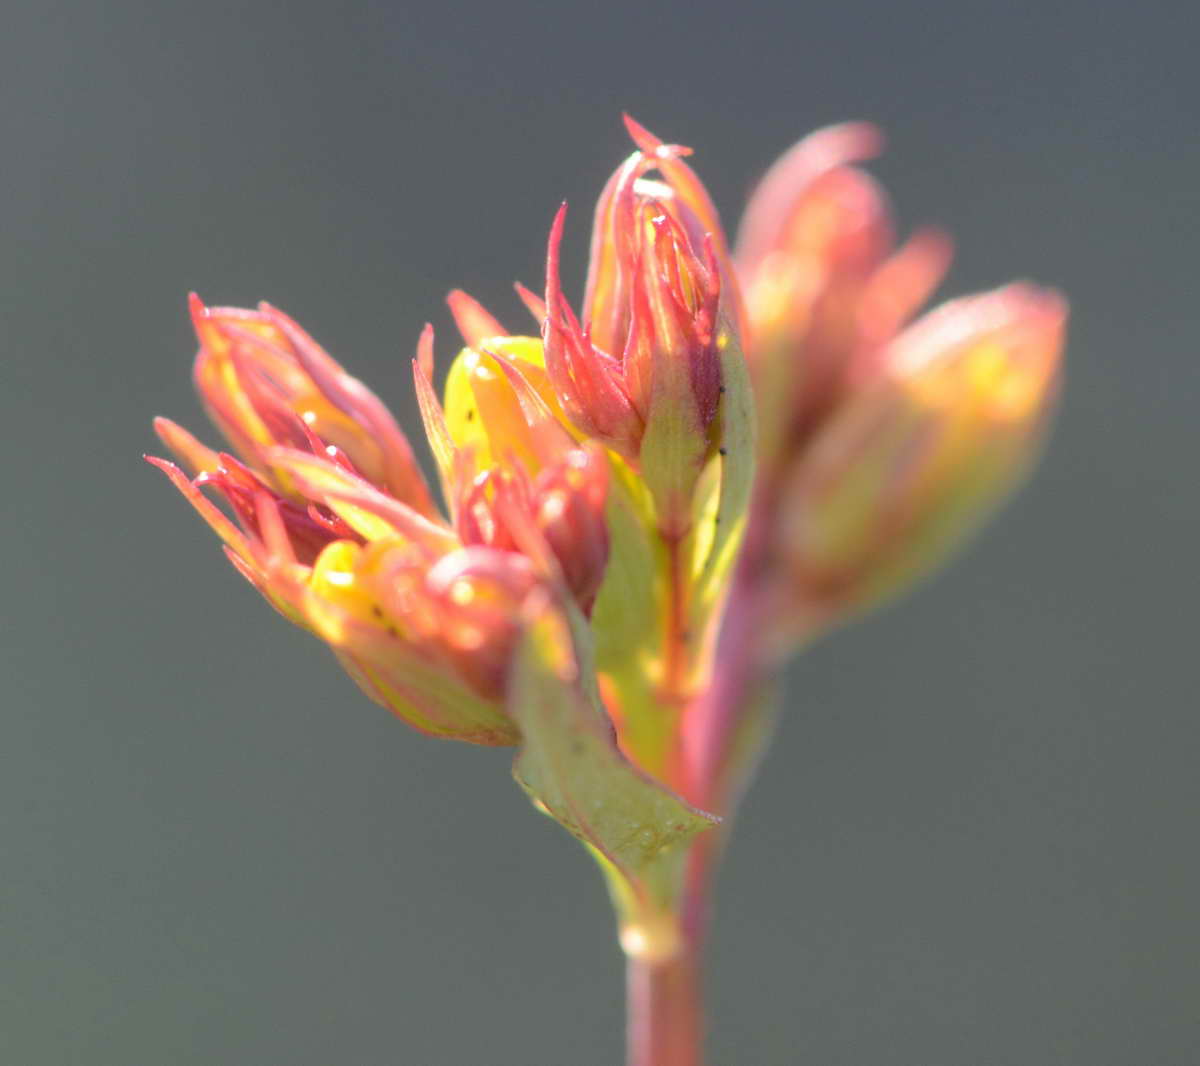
(606, 467)
(334, 524)
(881, 441)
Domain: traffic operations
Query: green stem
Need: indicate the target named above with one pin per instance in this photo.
(666, 1021)
(721, 734)
(676, 639)
(664, 981)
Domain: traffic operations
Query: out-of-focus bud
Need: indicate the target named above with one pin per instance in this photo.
(822, 278)
(644, 372)
(265, 382)
(899, 473)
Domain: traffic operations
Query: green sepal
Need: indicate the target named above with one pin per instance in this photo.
(673, 448)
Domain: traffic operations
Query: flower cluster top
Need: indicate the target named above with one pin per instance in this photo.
(765, 418)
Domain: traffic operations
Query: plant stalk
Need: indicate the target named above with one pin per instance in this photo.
(665, 1009)
(723, 733)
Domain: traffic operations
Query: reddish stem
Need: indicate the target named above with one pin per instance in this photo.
(665, 1010)
(665, 997)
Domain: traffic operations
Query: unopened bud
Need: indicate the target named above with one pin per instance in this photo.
(267, 383)
(899, 474)
(643, 373)
(823, 279)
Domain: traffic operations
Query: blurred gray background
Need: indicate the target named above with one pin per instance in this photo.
(974, 843)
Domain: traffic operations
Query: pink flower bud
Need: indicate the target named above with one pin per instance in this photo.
(661, 305)
(329, 518)
(823, 279)
(909, 464)
(568, 503)
(265, 382)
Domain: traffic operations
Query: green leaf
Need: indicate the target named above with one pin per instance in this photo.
(572, 769)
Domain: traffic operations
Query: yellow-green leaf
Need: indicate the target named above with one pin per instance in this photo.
(572, 769)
